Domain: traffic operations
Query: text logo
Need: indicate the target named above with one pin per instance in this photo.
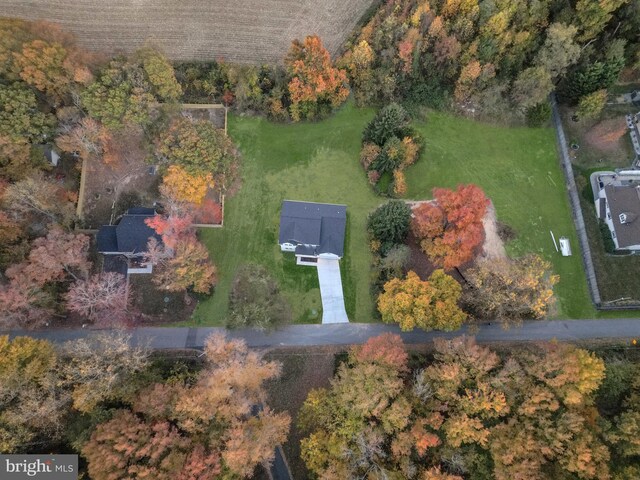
(45, 467)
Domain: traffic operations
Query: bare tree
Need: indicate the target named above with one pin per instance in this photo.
(98, 368)
(102, 298)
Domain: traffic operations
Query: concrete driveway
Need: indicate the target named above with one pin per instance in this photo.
(331, 291)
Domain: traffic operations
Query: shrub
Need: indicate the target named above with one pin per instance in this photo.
(399, 183)
(538, 115)
(390, 224)
(391, 156)
(590, 106)
(609, 245)
(384, 186)
(255, 300)
(391, 121)
(368, 154)
(373, 176)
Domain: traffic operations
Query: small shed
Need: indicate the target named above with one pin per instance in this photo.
(565, 247)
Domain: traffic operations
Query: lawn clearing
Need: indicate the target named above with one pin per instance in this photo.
(314, 162)
(517, 167)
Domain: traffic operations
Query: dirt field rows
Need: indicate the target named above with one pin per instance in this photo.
(244, 31)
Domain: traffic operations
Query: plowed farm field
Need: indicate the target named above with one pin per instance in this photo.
(242, 31)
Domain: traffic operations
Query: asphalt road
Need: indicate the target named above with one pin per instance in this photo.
(352, 333)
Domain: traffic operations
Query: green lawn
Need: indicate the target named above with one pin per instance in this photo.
(309, 161)
(517, 167)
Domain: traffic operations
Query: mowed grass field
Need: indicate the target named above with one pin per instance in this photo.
(517, 167)
(242, 31)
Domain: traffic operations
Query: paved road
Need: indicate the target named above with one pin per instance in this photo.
(351, 333)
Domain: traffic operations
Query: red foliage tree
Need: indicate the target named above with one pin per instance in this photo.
(386, 349)
(171, 227)
(53, 258)
(450, 228)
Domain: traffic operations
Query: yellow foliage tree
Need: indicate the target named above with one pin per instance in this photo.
(428, 304)
(183, 186)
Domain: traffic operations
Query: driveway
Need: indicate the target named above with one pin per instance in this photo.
(331, 291)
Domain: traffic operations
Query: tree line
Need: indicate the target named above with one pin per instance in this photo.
(549, 411)
(132, 414)
(494, 59)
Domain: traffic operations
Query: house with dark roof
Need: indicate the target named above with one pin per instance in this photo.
(312, 230)
(617, 202)
(125, 243)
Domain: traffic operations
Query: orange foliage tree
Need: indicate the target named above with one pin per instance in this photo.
(316, 86)
(50, 68)
(450, 227)
(177, 430)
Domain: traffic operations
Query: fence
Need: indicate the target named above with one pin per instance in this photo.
(574, 199)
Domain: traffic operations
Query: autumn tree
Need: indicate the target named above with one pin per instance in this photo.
(358, 63)
(199, 148)
(593, 16)
(24, 305)
(510, 290)
(37, 197)
(559, 50)
(98, 369)
(316, 86)
(428, 305)
(532, 87)
(13, 34)
(103, 298)
(450, 227)
(590, 106)
(50, 68)
(174, 225)
(160, 74)
(466, 413)
(88, 138)
(53, 258)
(127, 90)
(178, 430)
(32, 402)
(16, 159)
(350, 424)
(189, 268)
(186, 187)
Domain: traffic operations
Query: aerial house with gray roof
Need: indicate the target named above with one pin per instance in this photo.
(617, 202)
(124, 245)
(312, 230)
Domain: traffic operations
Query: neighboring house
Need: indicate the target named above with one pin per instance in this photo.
(125, 244)
(618, 205)
(312, 230)
(50, 154)
(634, 132)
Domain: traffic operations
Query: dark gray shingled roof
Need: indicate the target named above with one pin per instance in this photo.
(115, 263)
(625, 199)
(130, 235)
(319, 224)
